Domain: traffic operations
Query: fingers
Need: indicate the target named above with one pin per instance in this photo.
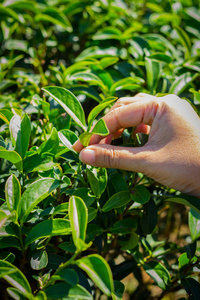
(108, 156)
(126, 112)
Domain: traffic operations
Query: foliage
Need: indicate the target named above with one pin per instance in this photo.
(68, 230)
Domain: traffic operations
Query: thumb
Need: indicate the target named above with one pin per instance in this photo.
(125, 158)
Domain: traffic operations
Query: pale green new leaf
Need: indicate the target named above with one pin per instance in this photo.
(117, 200)
(13, 157)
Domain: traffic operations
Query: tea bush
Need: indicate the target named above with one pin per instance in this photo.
(68, 230)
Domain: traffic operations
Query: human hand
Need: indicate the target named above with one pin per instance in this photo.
(172, 154)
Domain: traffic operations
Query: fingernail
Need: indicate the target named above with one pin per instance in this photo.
(87, 156)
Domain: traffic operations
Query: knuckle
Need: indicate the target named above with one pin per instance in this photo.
(111, 158)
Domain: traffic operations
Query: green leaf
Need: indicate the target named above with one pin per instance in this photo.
(85, 138)
(153, 73)
(130, 243)
(6, 12)
(180, 83)
(54, 16)
(109, 32)
(97, 178)
(48, 228)
(13, 157)
(183, 261)
(141, 195)
(69, 103)
(129, 83)
(117, 200)
(124, 226)
(68, 138)
(3, 218)
(108, 61)
(99, 271)
(192, 287)
(34, 194)
(78, 216)
(161, 57)
(13, 193)
(62, 290)
(185, 40)
(41, 296)
(91, 78)
(20, 130)
(165, 18)
(194, 224)
(149, 218)
(190, 201)
(158, 273)
(100, 128)
(96, 110)
(15, 294)
(51, 145)
(39, 260)
(15, 278)
(69, 276)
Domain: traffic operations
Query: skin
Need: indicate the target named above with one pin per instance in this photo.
(172, 154)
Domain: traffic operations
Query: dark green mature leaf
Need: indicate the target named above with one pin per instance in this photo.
(124, 226)
(141, 195)
(48, 228)
(161, 57)
(68, 275)
(13, 193)
(97, 178)
(99, 271)
(13, 157)
(66, 291)
(69, 102)
(158, 273)
(16, 278)
(20, 130)
(117, 200)
(130, 243)
(194, 224)
(149, 218)
(78, 216)
(190, 201)
(54, 16)
(191, 286)
(34, 194)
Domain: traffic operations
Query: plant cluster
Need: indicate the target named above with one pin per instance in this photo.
(69, 230)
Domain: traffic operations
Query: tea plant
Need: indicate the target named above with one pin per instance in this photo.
(69, 230)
